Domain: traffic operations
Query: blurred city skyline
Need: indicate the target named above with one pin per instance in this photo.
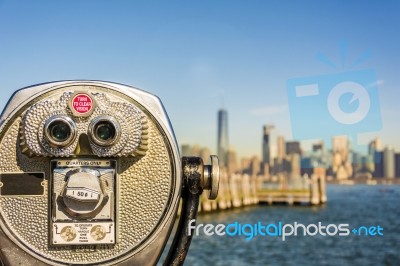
(199, 57)
(307, 145)
(339, 156)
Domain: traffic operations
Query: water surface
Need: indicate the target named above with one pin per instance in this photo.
(359, 205)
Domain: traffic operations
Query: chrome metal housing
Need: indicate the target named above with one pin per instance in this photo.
(146, 202)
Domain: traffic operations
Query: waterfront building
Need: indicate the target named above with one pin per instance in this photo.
(232, 161)
(293, 147)
(245, 164)
(374, 145)
(255, 165)
(319, 156)
(251, 166)
(294, 162)
(357, 162)
(281, 148)
(397, 162)
(389, 166)
(378, 164)
(341, 165)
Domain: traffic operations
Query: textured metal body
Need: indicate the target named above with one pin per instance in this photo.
(148, 174)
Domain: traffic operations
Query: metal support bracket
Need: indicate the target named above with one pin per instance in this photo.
(196, 177)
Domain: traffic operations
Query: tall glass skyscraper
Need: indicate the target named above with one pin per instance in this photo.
(269, 145)
(223, 143)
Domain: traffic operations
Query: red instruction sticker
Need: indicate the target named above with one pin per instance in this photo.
(82, 103)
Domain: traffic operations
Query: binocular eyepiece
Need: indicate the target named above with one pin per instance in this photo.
(61, 131)
(90, 174)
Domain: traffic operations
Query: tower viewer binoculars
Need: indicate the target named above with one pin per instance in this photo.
(90, 174)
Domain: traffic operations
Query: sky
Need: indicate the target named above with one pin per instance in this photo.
(199, 56)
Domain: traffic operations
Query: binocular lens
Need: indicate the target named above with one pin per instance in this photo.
(105, 131)
(60, 131)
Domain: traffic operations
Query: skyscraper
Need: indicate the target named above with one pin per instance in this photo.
(341, 165)
(389, 166)
(269, 145)
(378, 164)
(357, 163)
(319, 156)
(254, 165)
(293, 147)
(294, 164)
(281, 148)
(397, 162)
(281, 154)
(223, 144)
(374, 146)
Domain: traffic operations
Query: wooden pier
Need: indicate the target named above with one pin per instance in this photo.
(289, 197)
(313, 194)
(239, 190)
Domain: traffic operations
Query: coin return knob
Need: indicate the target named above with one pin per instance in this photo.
(82, 194)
